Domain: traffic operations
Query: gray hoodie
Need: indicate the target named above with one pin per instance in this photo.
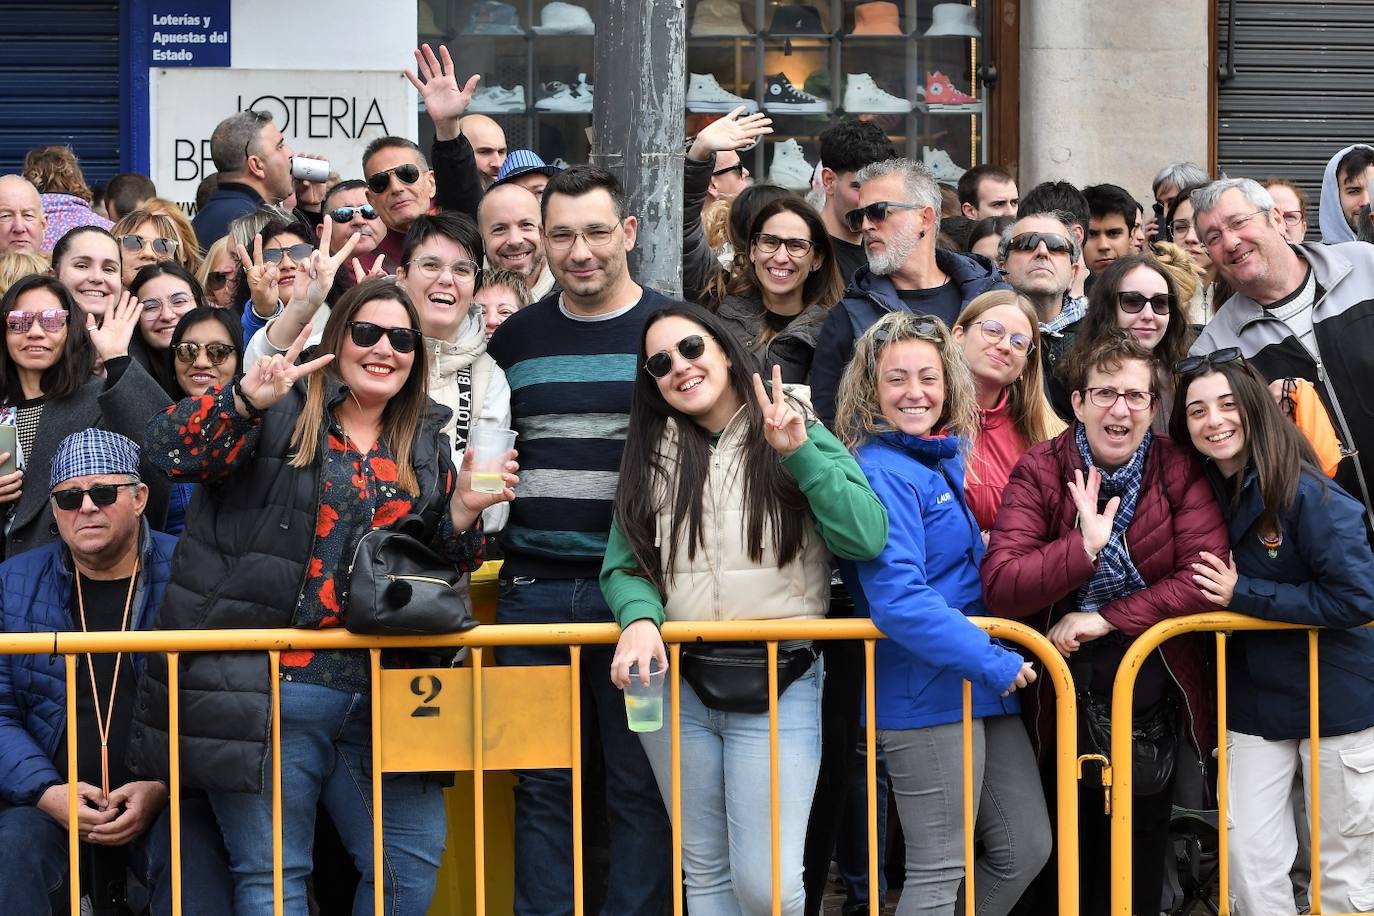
(1331, 217)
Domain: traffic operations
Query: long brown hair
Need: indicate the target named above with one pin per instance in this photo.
(405, 411)
(1102, 311)
(823, 286)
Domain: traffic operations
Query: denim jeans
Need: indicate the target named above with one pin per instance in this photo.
(326, 749)
(640, 835)
(726, 828)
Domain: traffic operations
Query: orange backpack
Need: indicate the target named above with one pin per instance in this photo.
(1302, 405)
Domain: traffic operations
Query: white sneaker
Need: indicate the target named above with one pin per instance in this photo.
(861, 94)
(943, 167)
(562, 97)
(790, 168)
(705, 94)
(496, 99)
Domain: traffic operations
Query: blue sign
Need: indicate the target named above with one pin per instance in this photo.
(189, 33)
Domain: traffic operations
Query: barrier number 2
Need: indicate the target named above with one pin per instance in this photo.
(426, 687)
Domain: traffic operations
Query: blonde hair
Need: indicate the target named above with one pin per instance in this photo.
(171, 223)
(20, 263)
(859, 415)
(1179, 263)
(1027, 406)
(207, 264)
(715, 223)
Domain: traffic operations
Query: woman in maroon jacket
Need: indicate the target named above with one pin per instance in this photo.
(1094, 559)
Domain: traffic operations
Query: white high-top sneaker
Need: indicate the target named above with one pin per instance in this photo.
(790, 168)
(941, 165)
(705, 94)
(862, 94)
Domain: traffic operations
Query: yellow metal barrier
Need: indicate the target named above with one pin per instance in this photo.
(1123, 690)
(480, 719)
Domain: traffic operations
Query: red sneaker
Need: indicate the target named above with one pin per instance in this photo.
(940, 94)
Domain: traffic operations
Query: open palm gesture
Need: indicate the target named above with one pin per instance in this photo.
(734, 131)
(111, 338)
(272, 376)
(1096, 526)
(783, 425)
(437, 84)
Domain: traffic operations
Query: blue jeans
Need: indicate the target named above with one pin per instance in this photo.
(640, 836)
(726, 827)
(326, 748)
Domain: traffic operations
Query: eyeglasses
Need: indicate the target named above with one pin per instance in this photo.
(366, 334)
(166, 247)
(1029, 241)
(345, 214)
(995, 331)
(595, 236)
(50, 320)
(876, 213)
(1215, 358)
(1106, 398)
(186, 352)
(177, 302)
(217, 280)
(298, 253)
(689, 348)
(1179, 227)
(406, 172)
(1292, 217)
(102, 494)
(1234, 224)
(737, 167)
(433, 268)
(1132, 302)
(769, 243)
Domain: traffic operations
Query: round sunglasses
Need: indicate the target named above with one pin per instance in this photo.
(1132, 302)
(689, 348)
(187, 352)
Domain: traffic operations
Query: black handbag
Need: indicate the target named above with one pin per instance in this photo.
(1154, 739)
(733, 676)
(397, 586)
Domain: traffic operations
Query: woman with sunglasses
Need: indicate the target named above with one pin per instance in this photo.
(48, 391)
(906, 406)
(1138, 294)
(1299, 555)
(1095, 562)
(86, 261)
(148, 237)
(272, 264)
(782, 494)
(999, 333)
(163, 292)
(219, 275)
(296, 463)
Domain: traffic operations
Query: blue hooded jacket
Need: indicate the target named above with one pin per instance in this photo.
(921, 587)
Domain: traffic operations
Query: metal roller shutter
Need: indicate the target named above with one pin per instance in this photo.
(1299, 86)
(59, 82)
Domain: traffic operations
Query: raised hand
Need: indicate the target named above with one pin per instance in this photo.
(321, 267)
(272, 376)
(783, 426)
(310, 194)
(262, 278)
(733, 131)
(439, 90)
(111, 339)
(1096, 526)
(378, 269)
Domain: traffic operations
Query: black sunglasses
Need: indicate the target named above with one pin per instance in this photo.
(737, 167)
(366, 334)
(1132, 303)
(299, 252)
(876, 213)
(186, 352)
(407, 172)
(102, 494)
(218, 280)
(1029, 241)
(345, 214)
(1215, 358)
(690, 347)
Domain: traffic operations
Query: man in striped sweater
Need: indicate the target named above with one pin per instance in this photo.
(571, 360)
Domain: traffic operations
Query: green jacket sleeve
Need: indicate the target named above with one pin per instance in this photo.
(631, 596)
(848, 514)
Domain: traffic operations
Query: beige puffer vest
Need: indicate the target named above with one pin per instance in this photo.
(721, 582)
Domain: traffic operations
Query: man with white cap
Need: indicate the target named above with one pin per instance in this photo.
(107, 572)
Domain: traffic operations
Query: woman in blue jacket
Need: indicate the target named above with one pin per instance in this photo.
(1300, 556)
(906, 404)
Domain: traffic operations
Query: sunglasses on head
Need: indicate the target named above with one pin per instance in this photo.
(1215, 358)
(298, 252)
(366, 334)
(50, 320)
(159, 245)
(1029, 241)
(926, 327)
(1132, 303)
(186, 352)
(407, 172)
(689, 348)
(102, 494)
(345, 214)
(876, 213)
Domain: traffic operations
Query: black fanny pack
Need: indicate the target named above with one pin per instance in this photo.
(733, 676)
(1154, 739)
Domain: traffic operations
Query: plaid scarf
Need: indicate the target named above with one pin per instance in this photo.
(1116, 575)
(1074, 309)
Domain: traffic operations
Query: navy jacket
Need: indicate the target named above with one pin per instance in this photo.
(868, 298)
(35, 597)
(1321, 574)
(227, 204)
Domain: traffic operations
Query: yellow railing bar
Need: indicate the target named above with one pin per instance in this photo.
(774, 804)
(1223, 789)
(675, 751)
(174, 771)
(378, 856)
(479, 794)
(970, 898)
(575, 673)
(73, 795)
(871, 765)
(1314, 893)
(274, 676)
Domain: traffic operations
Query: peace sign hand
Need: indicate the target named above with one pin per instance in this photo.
(321, 266)
(272, 376)
(1096, 527)
(734, 131)
(262, 278)
(378, 269)
(783, 426)
(444, 101)
(111, 339)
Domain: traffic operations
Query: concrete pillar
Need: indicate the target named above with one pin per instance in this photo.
(1111, 90)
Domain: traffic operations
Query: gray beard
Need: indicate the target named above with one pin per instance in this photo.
(899, 248)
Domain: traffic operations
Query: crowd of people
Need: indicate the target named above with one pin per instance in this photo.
(887, 399)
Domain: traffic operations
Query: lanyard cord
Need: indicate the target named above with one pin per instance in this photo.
(103, 722)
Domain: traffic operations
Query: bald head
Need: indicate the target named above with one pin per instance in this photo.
(21, 215)
(508, 218)
(488, 142)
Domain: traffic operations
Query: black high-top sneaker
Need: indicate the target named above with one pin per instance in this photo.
(782, 96)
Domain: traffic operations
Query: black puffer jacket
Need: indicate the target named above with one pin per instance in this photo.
(791, 348)
(242, 563)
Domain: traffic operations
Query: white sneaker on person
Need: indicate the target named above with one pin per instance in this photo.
(705, 94)
(862, 94)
